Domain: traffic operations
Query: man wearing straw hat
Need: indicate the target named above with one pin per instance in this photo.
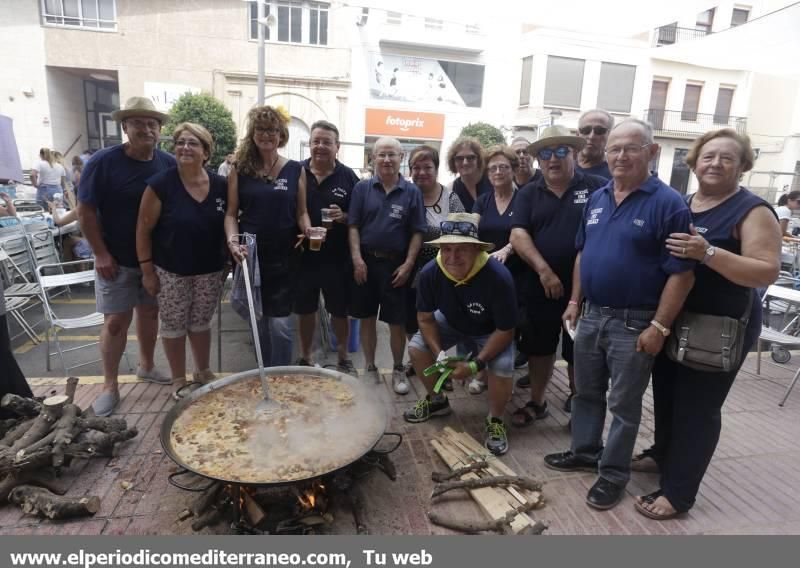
(110, 190)
(465, 297)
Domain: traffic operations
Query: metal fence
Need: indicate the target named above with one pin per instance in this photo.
(667, 35)
(691, 124)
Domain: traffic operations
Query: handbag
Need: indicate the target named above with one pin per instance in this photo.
(706, 342)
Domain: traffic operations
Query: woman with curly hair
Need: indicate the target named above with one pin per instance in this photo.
(466, 158)
(267, 198)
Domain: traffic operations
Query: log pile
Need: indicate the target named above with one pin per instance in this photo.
(37, 445)
(505, 497)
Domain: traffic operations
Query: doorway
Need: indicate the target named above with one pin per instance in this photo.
(679, 179)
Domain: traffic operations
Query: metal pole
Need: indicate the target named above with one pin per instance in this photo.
(261, 54)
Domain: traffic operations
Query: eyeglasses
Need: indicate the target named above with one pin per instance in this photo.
(561, 152)
(498, 168)
(142, 124)
(470, 158)
(188, 143)
(269, 131)
(631, 150)
(599, 130)
(464, 228)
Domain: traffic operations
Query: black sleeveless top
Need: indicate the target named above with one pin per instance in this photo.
(713, 293)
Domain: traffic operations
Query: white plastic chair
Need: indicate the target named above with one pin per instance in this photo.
(791, 298)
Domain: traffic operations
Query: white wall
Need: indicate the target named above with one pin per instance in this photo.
(67, 112)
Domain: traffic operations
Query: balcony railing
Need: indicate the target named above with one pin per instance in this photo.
(683, 124)
(667, 35)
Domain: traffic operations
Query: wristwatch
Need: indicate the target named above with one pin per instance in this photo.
(480, 363)
(710, 251)
(664, 330)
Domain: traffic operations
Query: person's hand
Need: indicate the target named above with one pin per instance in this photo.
(360, 271)
(650, 341)
(238, 252)
(553, 288)
(151, 282)
(401, 274)
(300, 238)
(501, 255)
(461, 370)
(570, 316)
(337, 214)
(691, 245)
(105, 265)
(5, 197)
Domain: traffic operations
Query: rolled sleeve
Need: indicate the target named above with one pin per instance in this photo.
(677, 222)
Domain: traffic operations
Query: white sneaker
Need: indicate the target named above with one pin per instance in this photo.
(476, 386)
(399, 380)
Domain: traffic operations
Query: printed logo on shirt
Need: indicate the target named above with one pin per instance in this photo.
(280, 185)
(594, 216)
(476, 308)
(581, 196)
(397, 211)
(220, 204)
(701, 230)
(339, 192)
(638, 222)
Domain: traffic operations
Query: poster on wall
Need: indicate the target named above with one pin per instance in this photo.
(430, 81)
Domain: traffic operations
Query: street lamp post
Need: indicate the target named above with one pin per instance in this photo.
(261, 54)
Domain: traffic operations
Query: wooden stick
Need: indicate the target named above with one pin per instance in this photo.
(43, 503)
(72, 386)
(439, 477)
(26, 407)
(496, 481)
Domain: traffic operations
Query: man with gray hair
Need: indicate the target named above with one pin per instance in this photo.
(525, 173)
(634, 289)
(386, 221)
(594, 126)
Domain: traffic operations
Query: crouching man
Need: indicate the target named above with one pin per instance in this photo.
(465, 297)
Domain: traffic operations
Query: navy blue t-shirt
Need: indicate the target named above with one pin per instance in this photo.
(496, 228)
(189, 238)
(486, 303)
(484, 186)
(553, 223)
(386, 222)
(596, 170)
(114, 183)
(269, 210)
(334, 189)
(624, 261)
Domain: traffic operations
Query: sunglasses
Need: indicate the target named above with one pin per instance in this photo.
(546, 153)
(463, 228)
(599, 130)
(470, 158)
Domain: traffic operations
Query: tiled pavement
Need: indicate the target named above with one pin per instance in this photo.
(751, 486)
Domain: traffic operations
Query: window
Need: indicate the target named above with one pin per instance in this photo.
(616, 87)
(740, 16)
(564, 82)
(691, 102)
(297, 22)
(705, 20)
(394, 18)
(658, 103)
(525, 87)
(667, 34)
(88, 14)
(434, 24)
(722, 112)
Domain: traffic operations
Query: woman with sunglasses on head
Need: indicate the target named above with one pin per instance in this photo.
(496, 208)
(594, 126)
(465, 158)
(440, 201)
(267, 198)
(180, 243)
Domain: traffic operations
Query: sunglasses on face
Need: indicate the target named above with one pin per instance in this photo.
(463, 228)
(546, 153)
(471, 158)
(269, 131)
(586, 130)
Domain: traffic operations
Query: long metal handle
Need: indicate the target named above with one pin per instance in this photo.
(254, 324)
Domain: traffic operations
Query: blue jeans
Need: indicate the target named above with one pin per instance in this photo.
(45, 193)
(605, 349)
(275, 337)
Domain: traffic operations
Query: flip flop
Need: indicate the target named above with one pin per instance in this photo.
(640, 506)
(521, 417)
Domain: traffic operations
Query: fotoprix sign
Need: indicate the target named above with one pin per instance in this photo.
(405, 124)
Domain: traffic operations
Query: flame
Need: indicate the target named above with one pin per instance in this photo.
(315, 494)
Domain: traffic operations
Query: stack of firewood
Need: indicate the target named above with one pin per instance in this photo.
(37, 445)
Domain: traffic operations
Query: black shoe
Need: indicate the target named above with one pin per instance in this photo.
(448, 385)
(426, 408)
(604, 494)
(567, 461)
(568, 404)
(496, 437)
(524, 382)
(521, 360)
(301, 362)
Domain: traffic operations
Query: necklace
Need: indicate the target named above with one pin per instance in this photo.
(267, 174)
(436, 207)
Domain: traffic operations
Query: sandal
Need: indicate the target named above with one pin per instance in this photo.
(641, 504)
(644, 462)
(521, 417)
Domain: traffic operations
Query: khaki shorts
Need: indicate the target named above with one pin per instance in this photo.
(123, 293)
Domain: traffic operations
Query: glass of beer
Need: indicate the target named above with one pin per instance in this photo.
(315, 237)
(327, 220)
